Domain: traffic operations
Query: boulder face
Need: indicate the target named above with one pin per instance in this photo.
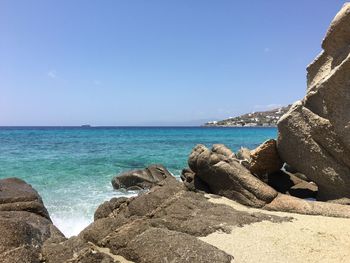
(314, 135)
(24, 223)
(141, 179)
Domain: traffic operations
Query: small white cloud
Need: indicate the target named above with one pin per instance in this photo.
(267, 50)
(52, 74)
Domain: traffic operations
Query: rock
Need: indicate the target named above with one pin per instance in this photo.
(304, 190)
(227, 177)
(159, 225)
(141, 179)
(108, 207)
(17, 195)
(223, 150)
(183, 248)
(282, 181)
(243, 154)
(288, 183)
(24, 223)
(193, 182)
(314, 136)
(265, 159)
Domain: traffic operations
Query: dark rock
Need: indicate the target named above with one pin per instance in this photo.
(17, 195)
(193, 182)
(162, 245)
(282, 181)
(161, 223)
(24, 223)
(304, 190)
(141, 179)
(288, 183)
(108, 207)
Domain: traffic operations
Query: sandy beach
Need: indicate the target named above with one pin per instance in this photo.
(304, 239)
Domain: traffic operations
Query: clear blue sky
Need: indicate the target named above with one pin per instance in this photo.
(154, 62)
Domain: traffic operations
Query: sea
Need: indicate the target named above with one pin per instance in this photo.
(72, 167)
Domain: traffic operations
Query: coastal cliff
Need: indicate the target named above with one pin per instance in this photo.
(245, 206)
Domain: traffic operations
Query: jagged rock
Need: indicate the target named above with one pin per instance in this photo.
(24, 223)
(184, 248)
(314, 136)
(265, 159)
(108, 207)
(141, 179)
(163, 223)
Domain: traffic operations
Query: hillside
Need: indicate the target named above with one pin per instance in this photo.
(254, 119)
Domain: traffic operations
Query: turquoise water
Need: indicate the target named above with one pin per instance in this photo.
(72, 168)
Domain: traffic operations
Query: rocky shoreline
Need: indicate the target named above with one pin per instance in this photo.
(248, 206)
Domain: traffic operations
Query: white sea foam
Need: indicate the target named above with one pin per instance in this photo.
(71, 220)
(71, 226)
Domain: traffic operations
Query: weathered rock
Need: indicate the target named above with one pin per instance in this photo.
(226, 177)
(141, 179)
(24, 223)
(108, 207)
(17, 195)
(172, 246)
(193, 182)
(160, 224)
(314, 136)
(265, 159)
(243, 154)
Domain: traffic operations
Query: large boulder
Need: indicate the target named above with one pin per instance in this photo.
(314, 135)
(24, 223)
(141, 179)
(225, 176)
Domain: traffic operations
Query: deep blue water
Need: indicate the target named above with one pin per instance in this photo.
(72, 168)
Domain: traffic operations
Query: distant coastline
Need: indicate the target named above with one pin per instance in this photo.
(262, 119)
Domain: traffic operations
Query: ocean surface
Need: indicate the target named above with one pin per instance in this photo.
(72, 168)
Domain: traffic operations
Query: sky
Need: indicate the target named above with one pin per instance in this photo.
(154, 62)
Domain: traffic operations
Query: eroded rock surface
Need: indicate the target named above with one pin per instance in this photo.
(225, 176)
(314, 136)
(141, 179)
(162, 225)
(24, 223)
(265, 159)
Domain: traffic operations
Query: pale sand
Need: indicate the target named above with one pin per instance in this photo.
(305, 239)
